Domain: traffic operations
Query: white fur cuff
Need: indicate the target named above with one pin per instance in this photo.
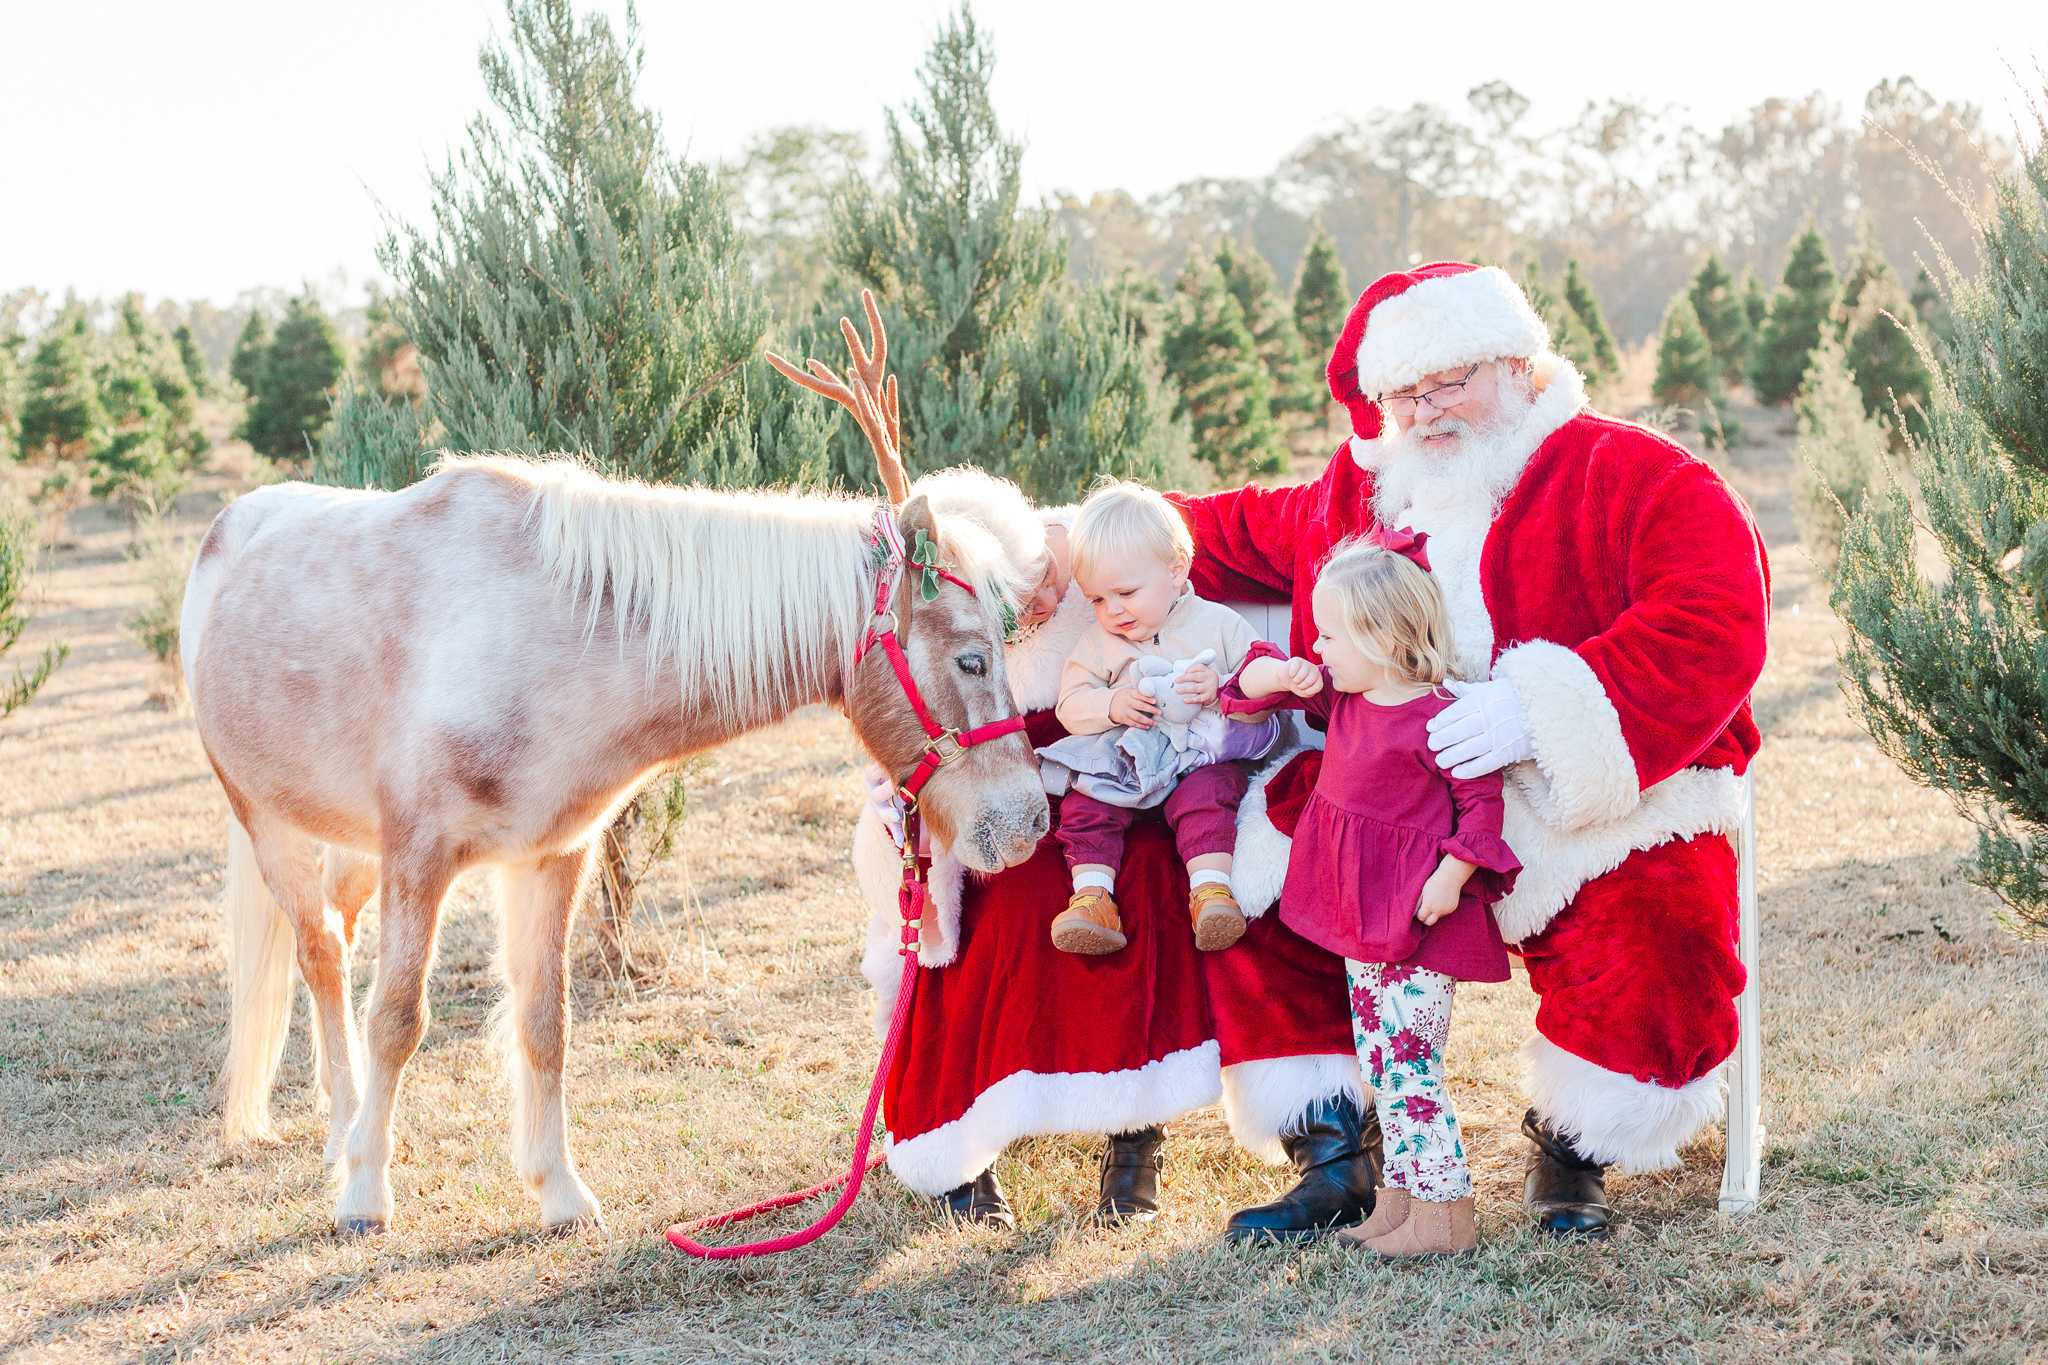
(1614, 1119)
(1262, 1099)
(1590, 777)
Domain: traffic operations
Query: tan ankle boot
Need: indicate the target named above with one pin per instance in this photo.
(1389, 1211)
(1218, 920)
(1433, 1228)
(1089, 924)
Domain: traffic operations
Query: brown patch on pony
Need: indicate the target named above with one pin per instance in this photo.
(216, 539)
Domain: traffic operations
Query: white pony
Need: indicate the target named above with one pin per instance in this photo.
(482, 669)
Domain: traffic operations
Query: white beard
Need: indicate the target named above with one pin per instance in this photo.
(1454, 497)
(1480, 473)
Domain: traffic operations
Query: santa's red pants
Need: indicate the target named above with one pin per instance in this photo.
(1639, 973)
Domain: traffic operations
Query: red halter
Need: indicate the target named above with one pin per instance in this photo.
(941, 746)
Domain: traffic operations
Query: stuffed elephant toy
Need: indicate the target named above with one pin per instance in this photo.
(1156, 678)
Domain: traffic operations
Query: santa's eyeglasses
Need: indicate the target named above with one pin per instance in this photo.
(1442, 397)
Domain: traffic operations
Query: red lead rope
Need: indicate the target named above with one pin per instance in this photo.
(941, 747)
(910, 902)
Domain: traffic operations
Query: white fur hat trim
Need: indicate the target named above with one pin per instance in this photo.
(1446, 323)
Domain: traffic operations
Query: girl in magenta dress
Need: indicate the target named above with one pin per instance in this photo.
(1395, 866)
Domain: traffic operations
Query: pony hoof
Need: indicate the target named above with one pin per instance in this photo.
(359, 1227)
(569, 1227)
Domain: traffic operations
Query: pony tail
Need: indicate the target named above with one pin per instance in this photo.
(262, 953)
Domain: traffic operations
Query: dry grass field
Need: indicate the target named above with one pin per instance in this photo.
(1906, 1186)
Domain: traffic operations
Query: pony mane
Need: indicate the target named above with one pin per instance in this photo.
(758, 598)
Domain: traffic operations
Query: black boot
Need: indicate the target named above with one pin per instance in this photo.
(980, 1200)
(1336, 1150)
(1566, 1192)
(1130, 1178)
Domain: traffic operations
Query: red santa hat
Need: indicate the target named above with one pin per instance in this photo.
(1440, 316)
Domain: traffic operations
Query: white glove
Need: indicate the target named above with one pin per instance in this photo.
(1481, 732)
(882, 796)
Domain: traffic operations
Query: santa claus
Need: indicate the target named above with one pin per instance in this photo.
(1610, 596)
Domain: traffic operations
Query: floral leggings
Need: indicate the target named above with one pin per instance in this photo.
(1401, 1019)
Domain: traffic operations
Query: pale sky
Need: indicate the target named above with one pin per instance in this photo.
(199, 148)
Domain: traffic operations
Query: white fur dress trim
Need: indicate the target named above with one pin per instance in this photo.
(1613, 1119)
(1446, 322)
(1265, 1098)
(1030, 1103)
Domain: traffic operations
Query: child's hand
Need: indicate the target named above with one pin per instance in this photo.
(1129, 706)
(1301, 677)
(1199, 684)
(1441, 892)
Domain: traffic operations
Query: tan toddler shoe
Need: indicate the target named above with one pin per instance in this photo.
(1089, 924)
(1432, 1228)
(1389, 1211)
(1218, 920)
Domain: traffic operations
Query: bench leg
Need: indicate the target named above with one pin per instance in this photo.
(1742, 1177)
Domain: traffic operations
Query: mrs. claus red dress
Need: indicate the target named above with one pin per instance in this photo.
(1010, 1037)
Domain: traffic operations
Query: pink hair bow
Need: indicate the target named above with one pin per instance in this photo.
(1401, 541)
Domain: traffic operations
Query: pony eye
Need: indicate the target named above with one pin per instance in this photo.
(972, 664)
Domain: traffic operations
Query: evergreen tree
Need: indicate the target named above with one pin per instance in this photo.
(1804, 304)
(965, 280)
(581, 289)
(1879, 351)
(137, 345)
(1950, 674)
(1931, 307)
(1756, 307)
(1721, 316)
(1321, 300)
(61, 416)
(1687, 374)
(17, 539)
(245, 367)
(1250, 281)
(1840, 454)
(11, 380)
(193, 360)
(1585, 308)
(301, 367)
(1226, 391)
(389, 363)
(1568, 336)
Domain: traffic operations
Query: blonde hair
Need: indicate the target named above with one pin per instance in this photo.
(1120, 514)
(1393, 610)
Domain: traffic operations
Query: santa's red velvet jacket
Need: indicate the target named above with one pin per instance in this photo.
(1625, 592)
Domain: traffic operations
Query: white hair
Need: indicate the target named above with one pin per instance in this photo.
(995, 505)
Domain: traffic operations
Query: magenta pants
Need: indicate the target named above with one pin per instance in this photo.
(1202, 811)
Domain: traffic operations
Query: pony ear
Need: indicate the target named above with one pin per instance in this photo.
(916, 515)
